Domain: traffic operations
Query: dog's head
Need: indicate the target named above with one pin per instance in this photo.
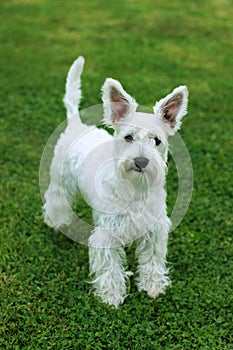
(141, 139)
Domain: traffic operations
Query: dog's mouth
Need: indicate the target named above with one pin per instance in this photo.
(138, 170)
(134, 169)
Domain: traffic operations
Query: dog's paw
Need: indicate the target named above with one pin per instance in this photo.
(154, 288)
(112, 300)
(154, 293)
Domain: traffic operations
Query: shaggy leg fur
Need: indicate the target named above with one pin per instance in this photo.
(151, 254)
(107, 267)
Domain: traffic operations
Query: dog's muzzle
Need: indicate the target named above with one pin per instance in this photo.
(141, 163)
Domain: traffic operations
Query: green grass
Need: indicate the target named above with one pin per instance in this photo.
(150, 47)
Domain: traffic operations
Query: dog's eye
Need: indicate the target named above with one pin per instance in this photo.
(129, 138)
(157, 141)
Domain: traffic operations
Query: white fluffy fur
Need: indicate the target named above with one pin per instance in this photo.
(73, 83)
(129, 202)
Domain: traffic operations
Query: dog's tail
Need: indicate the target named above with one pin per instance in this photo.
(73, 87)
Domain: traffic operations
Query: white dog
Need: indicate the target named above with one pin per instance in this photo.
(122, 177)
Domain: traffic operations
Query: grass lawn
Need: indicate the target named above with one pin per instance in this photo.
(151, 47)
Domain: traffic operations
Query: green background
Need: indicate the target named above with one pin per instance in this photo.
(151, 47)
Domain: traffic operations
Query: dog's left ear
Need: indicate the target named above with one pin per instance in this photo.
(117, 103)
(172, 108)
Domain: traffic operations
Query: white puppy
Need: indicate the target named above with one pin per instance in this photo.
(122, 177)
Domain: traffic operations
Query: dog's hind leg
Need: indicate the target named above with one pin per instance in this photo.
(57, 208)
(59, 196)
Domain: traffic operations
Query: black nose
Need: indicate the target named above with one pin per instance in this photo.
(141, 162)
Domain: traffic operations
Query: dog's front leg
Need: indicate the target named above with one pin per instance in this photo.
(151, 254)
(107, 261)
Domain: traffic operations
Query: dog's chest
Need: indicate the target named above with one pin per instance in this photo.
(135, 218)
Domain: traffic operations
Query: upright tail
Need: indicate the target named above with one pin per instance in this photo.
(73, 83)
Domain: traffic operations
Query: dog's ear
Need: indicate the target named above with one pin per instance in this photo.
(172, 108)
(117, 103)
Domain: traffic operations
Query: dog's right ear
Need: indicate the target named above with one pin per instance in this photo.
(117, 103)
